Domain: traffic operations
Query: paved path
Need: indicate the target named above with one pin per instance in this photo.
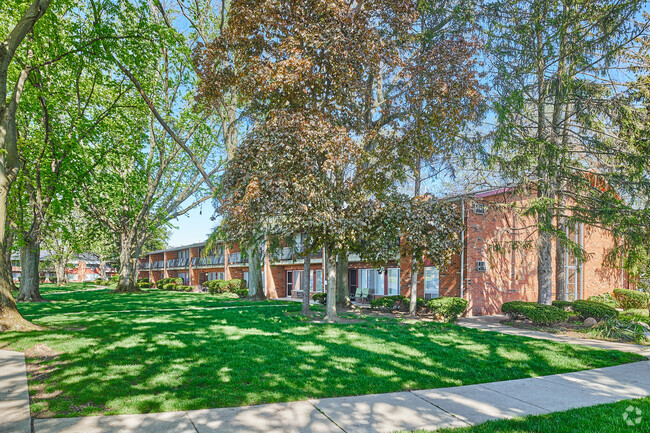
(493, 323)
(430, 409)
(14, 397)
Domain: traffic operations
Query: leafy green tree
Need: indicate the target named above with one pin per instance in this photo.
(553, 64)
(18, 20)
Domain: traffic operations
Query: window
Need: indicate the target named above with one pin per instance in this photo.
(479, 208)
(431, 282)
(289, 282)
(212, 276)
(183, 254)
(317, 280)
(246, 277)
(572, 266)
(481, 266)
(221, 276)
(185, 276)
(393, 281)
(372, 279)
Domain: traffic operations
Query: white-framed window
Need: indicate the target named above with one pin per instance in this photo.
(317, 280)
(431, 282)
(212, 276)
(392, 275)
(183, 254)
(246, 277)
(479, 208)
(221, 276)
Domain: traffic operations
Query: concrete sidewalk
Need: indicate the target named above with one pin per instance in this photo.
(493, 323)
(14, 397)
(424, 409)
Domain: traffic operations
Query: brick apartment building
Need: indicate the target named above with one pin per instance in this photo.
(485, 273)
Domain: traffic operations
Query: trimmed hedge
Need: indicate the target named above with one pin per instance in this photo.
(242, 293)
(103, 282)
(631, 299)
(177, 287)
(161, 283)
(390, 302)
(565, 305)
(605, 298)
(144, 285)
(449, 308)
(536, 313)
(598, 311)
(225, 286)
(320, 297)
(143, 280)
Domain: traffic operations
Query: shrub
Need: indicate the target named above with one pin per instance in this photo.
(449, 308)
(143, 280)
(598, 311)
(384, 303)
(421, 303)
(605, 298)
(564, 305)
(144, 285)
(242, 293)
(115, 278)
(103, 282)
(161, 283)
(320, 297)
(536, 313)
(631, 299)
(223, 286)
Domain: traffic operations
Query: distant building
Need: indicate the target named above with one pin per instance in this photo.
(85, 267)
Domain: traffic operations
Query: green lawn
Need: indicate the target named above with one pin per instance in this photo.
(606, 418)
(102, 362)
(69, 287)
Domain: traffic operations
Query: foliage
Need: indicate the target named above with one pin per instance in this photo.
(565, 305)
(389, 302)
(618, 330)
(172, 280)
(631, 299)
(596, 310)
(449, 308)
(225, 286)
(143, 280)
(144, 285)
(605, 298)
(320, 297)
(175, 287)
(536, 313)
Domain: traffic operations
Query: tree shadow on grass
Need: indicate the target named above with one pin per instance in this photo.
(184, 360)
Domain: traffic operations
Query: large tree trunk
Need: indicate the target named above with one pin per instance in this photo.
(9, 240)
(342, 286)
(413, 295)
(306, 271)
(102, 268)
(127, 278)
(330, 258)
(10, 318)
(29, 279)
(255, 286)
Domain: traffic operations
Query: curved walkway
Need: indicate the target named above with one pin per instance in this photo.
(493, 323)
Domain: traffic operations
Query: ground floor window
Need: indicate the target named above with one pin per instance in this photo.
(392, 281)
(245, 276)
(294, 281)
(212, 276)
(572, 266)
(431, 282)
(221, 276)
(373, 280)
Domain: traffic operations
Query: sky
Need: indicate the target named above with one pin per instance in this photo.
(193, 227)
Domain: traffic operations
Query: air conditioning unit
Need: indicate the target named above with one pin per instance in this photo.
(481, 266)
(479, 208)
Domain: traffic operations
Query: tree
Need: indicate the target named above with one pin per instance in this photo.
(553, 63)
(340, 85)
(9, 163)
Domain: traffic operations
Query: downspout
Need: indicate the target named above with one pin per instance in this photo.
(462, 251)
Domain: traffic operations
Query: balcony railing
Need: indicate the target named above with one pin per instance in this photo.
(236, 258)
(158, 264)
(178, 263)
(207, 261)
(143, 266)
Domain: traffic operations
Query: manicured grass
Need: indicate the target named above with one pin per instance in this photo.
(46, 288)
(154, 361)
(606, 418)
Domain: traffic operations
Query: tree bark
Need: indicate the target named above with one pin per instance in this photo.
(342, 286)
(29, 280)
(560, 262)
(102, 268)
(126, 282)
(255, 286)
(413, 295)
(330, 258)
(306, 271)
(59, 268)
